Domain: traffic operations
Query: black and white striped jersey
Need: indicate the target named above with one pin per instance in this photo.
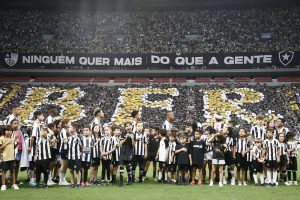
(258, 132)
(171, 152)
(63, 135)
(277, 131)
(106, 146)
(96, 147)
(230, 143)
(9, 118)
(219, 126)
(49, 120)
(140, 141)
(283, 149)
(74, 148)
(208, 147)
(95, 122)
(117, 152)
(167, 125)
(258, 152)
(241, 145)
(87, 145)
(43, 149)
(271, 147)
(293, 146)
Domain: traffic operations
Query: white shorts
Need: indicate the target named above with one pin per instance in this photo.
(218, 162)
(208, 155)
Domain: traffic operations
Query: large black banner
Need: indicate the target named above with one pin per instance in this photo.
(136, 61)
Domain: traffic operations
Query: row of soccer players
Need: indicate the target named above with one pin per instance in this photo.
(177, 153)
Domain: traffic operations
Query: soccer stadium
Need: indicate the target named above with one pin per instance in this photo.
(149, 99)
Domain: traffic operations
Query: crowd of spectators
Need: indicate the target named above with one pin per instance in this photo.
(215, 30)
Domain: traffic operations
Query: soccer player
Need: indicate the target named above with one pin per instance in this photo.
(183, 161)
(99, 115)
(86, 155)
(153, 145)
(171, 160)
(240, 153)
(116, 151)
(74, 155)
(52, 134)
(168, 124)
(63, 149)
(258, 160)
(43, 156)
(197, 152)
(162, 156)
(95, 154)
(280, 127)
(35, 136)
(284, 158)
(136, 115)
(140, 151)
(209, 131)
(127, 146)
(15, 114)
(106, 149)
(272, 155)
(259, 130)
(293, 152)
(52, 113)
(228, 153)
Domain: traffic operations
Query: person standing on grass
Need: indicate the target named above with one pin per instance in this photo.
(7, 143)
(126, 153)
(86, 156)
(197, 147)
(183, 160)
(43, 156)
(272, 154)
(116, 151)
(63, 149)
(74, 155)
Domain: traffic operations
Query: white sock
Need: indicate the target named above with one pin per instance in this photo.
(166, 176)
(269, 176)
(255, 178)
(262, 179)
(274, 176)
(159, 175)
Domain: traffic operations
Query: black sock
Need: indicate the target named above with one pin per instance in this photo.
(289, 174)
(294, 176)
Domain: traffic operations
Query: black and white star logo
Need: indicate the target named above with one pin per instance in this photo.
(286, 57)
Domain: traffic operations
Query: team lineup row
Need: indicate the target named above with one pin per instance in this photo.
(54, 145)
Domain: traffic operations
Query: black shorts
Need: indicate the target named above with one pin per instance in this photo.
(241, 162)
(85, 164)
(228, 158)
(32, 165)
(272, 164)
(182, 167)
(8, 165)
(197, 166)
(42, 165)
(293, 164)
(151, 158)
(64, 154)
(171, 167)
(162, 165)
(95, 162)
(283, 161)
(53, 154)
(257, 166)
(115, 163)
(74, 165)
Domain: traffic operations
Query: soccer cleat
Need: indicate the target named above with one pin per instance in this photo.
(15, 187)
(239, 183)
(286, 183)
(274, 185)
(63, 183)
(50, 182)
(3, 187)
(233, 181)
(211, 183)
(224, 182)
(244, 183)
(295, 183)
(220, 184)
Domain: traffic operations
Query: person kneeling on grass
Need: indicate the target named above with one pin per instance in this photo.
(7, 143)
(218, 145)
